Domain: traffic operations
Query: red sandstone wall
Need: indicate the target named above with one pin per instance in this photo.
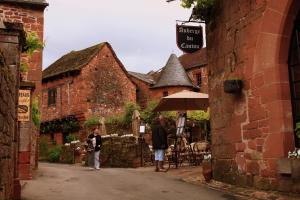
(250, 40)
(144, 92)
(9, 136)
(204, 81)
(76, 95)
(33, 21)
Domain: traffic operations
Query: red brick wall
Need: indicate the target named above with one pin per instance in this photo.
(143, 94)
(204, 78)
(157, 93)
(33, 21)
(250, 40)
(78, 94)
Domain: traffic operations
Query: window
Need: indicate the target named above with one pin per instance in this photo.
(51, 96)
(198, 79)
(165, 93)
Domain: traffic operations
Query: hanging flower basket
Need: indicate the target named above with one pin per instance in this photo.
(233, 86)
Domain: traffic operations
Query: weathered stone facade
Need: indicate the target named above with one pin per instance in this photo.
(101, 88)
(31, 15)
(10, 42)
(249, 40)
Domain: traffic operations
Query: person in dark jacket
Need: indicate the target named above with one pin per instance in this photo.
(159, 142)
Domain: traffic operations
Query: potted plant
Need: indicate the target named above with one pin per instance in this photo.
(23, 71)
(232, 86)
(207, 167)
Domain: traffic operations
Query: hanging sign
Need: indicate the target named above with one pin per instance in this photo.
(189, 38)
(24, 106)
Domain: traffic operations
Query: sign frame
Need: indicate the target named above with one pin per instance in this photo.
(189, 38)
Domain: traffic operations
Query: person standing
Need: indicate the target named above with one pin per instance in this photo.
(159, 143)
(97, 143)
(91, 149)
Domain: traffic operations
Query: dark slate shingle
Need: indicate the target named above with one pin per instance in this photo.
(143, 77)
(173, 74)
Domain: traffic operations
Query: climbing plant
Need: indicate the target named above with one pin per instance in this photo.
(33, 43)
(36, 115)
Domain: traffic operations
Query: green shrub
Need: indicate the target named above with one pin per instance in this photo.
(33, 43)
(147, 114)
(198, 115)
(92, 121)
(43, 147)
(36, 116)
(69, 126)
(54, 154)
(115, 120)
(172, 115)
(70, 138)
(297, 129)
(130, 107)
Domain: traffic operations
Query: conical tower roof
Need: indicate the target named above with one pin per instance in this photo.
(173, 74)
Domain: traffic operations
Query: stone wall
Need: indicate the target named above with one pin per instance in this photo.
(122, 151)
(32, 18)
(9, 82)
(250, 40)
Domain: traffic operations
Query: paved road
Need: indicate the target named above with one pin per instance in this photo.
(66, 182)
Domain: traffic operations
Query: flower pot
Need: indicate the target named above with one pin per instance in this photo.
(233, 86)
(207, 170)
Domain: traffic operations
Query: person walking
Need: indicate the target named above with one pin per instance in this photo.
(159, 143)
(97, 143)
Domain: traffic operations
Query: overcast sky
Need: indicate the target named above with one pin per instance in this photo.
(142, 32)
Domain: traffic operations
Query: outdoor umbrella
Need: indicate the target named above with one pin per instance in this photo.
(184, 100)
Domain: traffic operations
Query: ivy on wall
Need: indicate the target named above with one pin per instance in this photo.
(68, 124)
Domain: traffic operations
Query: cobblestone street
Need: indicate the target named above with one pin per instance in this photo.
(61, 182)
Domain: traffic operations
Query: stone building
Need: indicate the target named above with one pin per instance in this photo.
(85, 83)
(188, 72)
(254, 41)
(30, 13)
(195, 64)
(12, 39)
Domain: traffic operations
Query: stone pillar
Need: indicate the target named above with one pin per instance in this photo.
(12, 38)
(136, 121)
(27, 135)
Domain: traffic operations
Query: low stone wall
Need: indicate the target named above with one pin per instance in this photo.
(122, 151)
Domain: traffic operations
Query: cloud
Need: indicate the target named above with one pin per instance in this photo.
(142, 32)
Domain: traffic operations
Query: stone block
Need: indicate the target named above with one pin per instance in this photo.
(284, 166)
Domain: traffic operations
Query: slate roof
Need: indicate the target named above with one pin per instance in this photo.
(191, 60)
(173, 74)
(32, 2)
(73, 61)
(143, 77)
